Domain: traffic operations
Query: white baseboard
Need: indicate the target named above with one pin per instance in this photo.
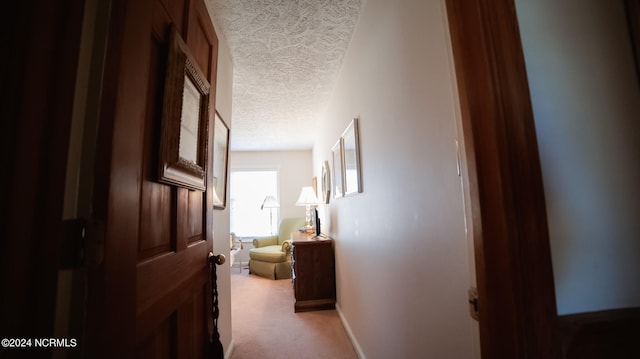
(347, 328)
(230, 349)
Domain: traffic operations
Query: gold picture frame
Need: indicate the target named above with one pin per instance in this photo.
(351, 159)
(338, 179)
(220, 160)
(185, 120)
(326, 182)
(314, 185)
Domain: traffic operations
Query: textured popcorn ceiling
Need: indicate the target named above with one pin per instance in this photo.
(286, 57)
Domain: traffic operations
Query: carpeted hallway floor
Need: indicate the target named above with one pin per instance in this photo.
(265, 327)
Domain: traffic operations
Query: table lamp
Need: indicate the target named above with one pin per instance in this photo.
(307, 198)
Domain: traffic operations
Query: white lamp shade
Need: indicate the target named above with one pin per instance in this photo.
(307, 197)
(269, 202)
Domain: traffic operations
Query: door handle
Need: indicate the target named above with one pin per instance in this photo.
(219, 259)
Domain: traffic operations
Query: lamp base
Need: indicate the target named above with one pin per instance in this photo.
(308, 226)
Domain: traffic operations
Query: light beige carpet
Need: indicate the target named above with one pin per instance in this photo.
(264, 325)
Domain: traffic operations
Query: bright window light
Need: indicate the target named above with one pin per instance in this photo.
(248, 189)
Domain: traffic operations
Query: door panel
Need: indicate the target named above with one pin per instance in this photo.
(193, 230)
(199, 41)
(158, 236)
(159, 344)
(204, 44)
(175, 10)
(157, 230)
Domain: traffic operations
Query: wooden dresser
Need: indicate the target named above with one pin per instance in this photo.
(313, 272)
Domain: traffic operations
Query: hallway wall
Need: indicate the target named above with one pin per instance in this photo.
(586, 102)
(402, 263)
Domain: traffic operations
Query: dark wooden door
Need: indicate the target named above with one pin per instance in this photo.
(150, 296)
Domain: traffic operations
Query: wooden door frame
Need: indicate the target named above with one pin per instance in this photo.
(110, 285)
(511, 241)
(42, 44)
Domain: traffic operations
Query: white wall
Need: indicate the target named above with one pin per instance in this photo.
(401, 252)
(294, 171)
(224, 86)
(586, 104)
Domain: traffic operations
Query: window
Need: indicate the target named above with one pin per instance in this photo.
(248, 189)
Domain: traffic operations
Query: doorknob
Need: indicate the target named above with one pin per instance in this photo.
(219, 259)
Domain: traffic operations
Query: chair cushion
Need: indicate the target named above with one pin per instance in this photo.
(272, 254)
(288, 225)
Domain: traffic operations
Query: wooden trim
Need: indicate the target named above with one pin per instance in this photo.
(313, 305)
(41, 43)
(111, 286)
(603, 334)
(513, 260)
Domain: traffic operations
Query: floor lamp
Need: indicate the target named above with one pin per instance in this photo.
(271, 203)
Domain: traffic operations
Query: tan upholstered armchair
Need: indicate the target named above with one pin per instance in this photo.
(271, 256)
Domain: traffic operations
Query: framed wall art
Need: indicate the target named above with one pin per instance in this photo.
(337, 170)
(314, 185)
(326, 182)
(351, 158)
(220, 160)
(185, 112)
